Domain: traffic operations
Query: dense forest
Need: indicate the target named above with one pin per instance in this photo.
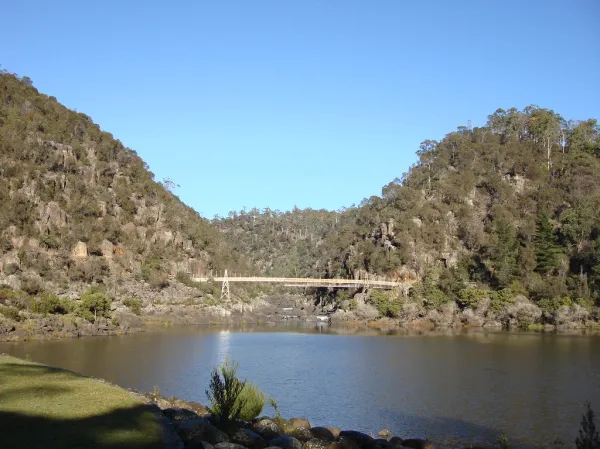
(498, 213)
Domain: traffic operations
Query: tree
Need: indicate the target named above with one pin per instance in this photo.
(547, 250)
(427, 153)
(545, 128)
(504, 250)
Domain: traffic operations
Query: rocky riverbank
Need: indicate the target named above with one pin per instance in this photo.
(191, 426)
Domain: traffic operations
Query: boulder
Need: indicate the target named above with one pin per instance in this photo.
(418, 443)
(178, 415)
(297, 423)
(382, 443)
(315, 443)
(343, 443)
(286, 442)
(196, 430)
(229, 446)
(322, 433)
(79, 250)
(395, 442)
(362, 439)
(199, 445)
(107, 249)
(301, 434)
(334, 430)
(248, 438)
(267, 428)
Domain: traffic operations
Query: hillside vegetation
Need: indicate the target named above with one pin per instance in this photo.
(504, 217)
(495, 225)
(76, 205)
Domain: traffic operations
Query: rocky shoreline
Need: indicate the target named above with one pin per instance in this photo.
(189, 425)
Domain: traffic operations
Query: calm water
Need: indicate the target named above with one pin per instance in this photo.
(469, 388)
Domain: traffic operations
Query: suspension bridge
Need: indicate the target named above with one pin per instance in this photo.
(365, 282)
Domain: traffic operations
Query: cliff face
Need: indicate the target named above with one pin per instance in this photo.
(76, 205)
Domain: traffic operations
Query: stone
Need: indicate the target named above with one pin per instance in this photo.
(199, 445)
(382, 443)
(362, 439)
(178, 415)
(384, 433)
(301, 434)
(343, 443)
(315, 443)
(395, 442)
(286, 442)
(80, 250)
(248, 438)
(107, 249)
(267, 428)
(200, 430)
(418, 443)
(229, 446)
(334, 430)
(297, 423)
(322, 433)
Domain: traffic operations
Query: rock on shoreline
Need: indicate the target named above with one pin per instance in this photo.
(193, 425)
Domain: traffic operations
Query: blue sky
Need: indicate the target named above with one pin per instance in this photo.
(308, 103)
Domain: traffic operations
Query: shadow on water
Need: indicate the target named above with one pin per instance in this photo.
(451, 432)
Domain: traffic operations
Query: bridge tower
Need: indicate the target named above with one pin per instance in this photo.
(225, 288)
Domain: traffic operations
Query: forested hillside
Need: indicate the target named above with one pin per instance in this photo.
(280, 243)
(508, 210)
(78, 206)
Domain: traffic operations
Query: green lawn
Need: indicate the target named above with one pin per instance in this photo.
(44, 407)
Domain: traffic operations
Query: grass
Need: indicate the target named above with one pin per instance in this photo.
(45, 407)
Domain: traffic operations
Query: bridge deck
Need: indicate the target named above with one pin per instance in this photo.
(310, 282)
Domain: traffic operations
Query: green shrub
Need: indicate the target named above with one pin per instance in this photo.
(11, 268)
(31, 286)
(502, 298)
(11, 313)
(277, 418)
(49, 303)
(93, 305)
(550, 306)
(386, 303)
(6, 295)
(223, 395)
(588, 435)
(470, 297)
(134, 304)
(251, 402)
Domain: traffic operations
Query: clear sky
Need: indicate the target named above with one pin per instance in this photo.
(313, 103)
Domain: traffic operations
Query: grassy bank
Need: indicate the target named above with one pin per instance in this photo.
(44, 407)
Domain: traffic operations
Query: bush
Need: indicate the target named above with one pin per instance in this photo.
(49, 303)
(10, 312)
(588, 435)
(470, 297)
(223, 395)
(93, 305)
(502, 298)
(251, 402)
(31, 286)
(386, 303)
(134, 304)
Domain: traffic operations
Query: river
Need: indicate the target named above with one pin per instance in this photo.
(467, 387)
